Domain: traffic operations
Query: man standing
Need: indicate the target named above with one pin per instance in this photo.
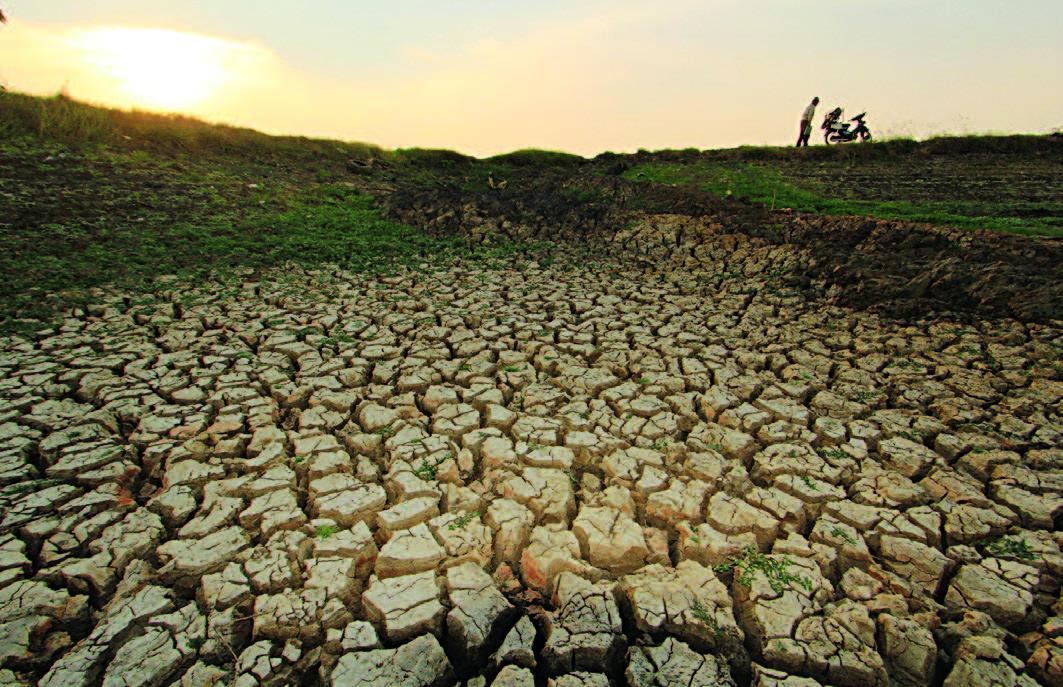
(806, 123)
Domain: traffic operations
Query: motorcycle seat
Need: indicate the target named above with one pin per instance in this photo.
(858, 117)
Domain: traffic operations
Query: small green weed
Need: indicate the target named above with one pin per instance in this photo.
(843, 535)
(323, 532)
(463, 520)
(833, 454)
(1014, 547)
(573, 478)
(775, 571)
(427, 470)
(701, 613)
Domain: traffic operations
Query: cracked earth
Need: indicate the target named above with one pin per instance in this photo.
(528, 475)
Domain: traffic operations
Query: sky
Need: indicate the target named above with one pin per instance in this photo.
(586, 76)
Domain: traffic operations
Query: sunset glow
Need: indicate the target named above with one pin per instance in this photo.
(584, 77)
(160, 69)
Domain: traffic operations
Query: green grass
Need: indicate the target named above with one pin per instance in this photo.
(323, 532)
(530, 157)
(765, 186)
(428, 470)
(1014, 547)
(64, 120)
(462, 520)
(702, 614)
(1021, 145)
(774, 570)
(324, 224)
(95, 197)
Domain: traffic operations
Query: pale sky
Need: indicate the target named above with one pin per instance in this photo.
(490, 76)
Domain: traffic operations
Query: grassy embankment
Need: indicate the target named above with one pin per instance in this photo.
(90, 196)
(964, 182)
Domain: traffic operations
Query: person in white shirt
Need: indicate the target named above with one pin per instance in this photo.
(806, 123)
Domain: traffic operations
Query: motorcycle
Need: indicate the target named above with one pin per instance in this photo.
(837, 131)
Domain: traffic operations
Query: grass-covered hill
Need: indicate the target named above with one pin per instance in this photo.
(91, 196)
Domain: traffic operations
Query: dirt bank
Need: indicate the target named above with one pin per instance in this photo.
(901, 269)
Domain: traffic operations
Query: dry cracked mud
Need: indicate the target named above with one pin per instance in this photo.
(529, 475)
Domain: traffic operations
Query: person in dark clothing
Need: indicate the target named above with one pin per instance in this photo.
(806, 123)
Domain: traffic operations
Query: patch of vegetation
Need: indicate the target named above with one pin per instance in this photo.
(701, 613)
(27, 487)
(775, 570)
(843, 535)
(427, 469)
(323, 532)
(585, 194)
(765, 184)
(1013, 547)
(574, 478)
(905, 364)
(808, 482)
(834, 454)
(462, 520)
(62, 119)
(97, 197)
(530, 157)
(298, 460)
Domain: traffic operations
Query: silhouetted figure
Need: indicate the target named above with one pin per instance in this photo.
(806, 123)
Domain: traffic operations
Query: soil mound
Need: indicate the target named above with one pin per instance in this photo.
(902, 269)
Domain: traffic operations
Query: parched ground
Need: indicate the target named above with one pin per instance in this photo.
(528, 475)
(529, 421)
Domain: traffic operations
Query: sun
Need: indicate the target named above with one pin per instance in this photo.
(158, 68)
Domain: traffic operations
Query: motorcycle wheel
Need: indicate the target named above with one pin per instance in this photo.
(865, 136)
(826, 138)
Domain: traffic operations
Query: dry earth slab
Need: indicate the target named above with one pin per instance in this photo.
(529, 475)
